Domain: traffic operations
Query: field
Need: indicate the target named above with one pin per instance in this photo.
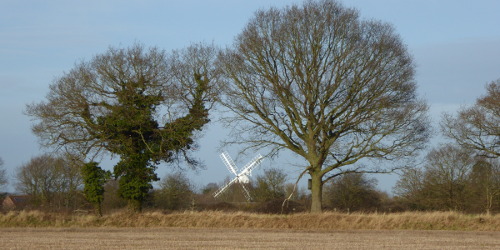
(239, 230)
(196, 238)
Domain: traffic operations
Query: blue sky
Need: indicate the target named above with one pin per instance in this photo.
(455, 44)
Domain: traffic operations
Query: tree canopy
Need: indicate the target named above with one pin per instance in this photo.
(322, 83)
(477, 127)
(140, 104)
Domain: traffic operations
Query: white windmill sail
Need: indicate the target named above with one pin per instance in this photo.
(243, 177)
(222, 189)
(229, 163)
(247, 169)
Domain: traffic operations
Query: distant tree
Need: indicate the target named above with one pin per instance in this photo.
(443, 184)
(477, 127)
(409, 188)
(140, 104)
(484, 182)
(205, 197)
(353, 192)
(210, 188)
(71, 194)
(331, 88)
(270, 185)
(175, 192)
(446, 174)
(50, 181)
(112, 201)
(94, 179)
(3, 175)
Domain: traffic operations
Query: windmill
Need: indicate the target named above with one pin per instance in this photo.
(243, 177)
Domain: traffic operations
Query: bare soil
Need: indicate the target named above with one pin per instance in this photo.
(204, 238)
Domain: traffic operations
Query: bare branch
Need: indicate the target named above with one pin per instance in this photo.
(477, 127)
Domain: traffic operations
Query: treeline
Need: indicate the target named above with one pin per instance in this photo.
(452, 178)
(55, 183)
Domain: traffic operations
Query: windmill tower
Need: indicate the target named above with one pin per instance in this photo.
(243, 177)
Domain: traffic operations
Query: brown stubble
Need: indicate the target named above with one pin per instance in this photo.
(220, 238)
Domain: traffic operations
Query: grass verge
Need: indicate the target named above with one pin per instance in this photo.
(303, 221)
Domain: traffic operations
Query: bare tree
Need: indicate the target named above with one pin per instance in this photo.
(452, 178)
(50, 181)
(175, 193)
(484, 182)
(443, 183)
(3, 174)
(409, 188)
(353, 192)
(446, 173)
(331, 88)
(270, 185)
(477, 127)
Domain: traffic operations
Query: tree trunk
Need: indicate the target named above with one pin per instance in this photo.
(316, 193)
(489, 201)
(98, 207)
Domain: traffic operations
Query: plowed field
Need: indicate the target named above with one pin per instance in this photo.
(186, 238)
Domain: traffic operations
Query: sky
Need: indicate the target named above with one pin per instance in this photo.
(455, 45)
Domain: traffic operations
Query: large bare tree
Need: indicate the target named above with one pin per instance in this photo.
(331, 88)
(477, 127)
(143, 105)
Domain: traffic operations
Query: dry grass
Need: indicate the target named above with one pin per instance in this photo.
(304, 221)
(198, 238)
